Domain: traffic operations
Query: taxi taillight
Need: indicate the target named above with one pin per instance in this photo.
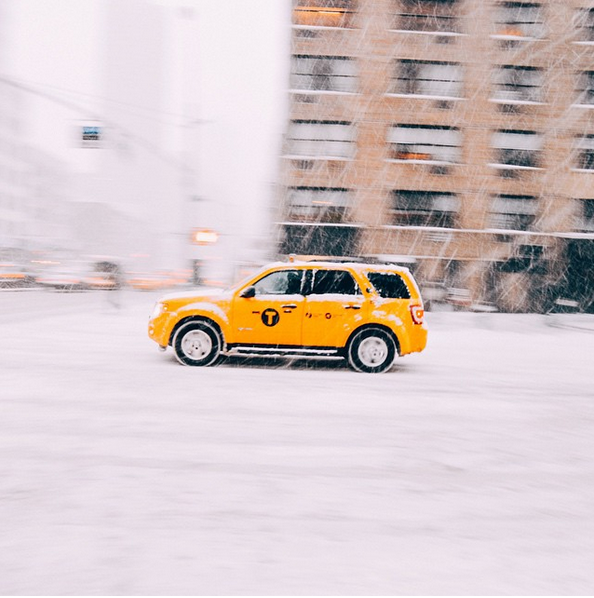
(418, 313)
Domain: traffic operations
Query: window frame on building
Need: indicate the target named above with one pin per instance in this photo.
(440, 17)
(584, 152)
(584, 221)
(512, 84)
(519, 149)
(584, 25)
(318, 204)
(415, 78)
(512, 212)
(510, 25)
(438, 209)
(585, 88)
(321, 73)
(332, 14)
(329, 139)
(430, 147)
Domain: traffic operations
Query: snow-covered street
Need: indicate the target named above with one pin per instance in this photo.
(468, 469)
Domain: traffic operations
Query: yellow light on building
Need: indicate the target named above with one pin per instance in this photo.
(205, 236)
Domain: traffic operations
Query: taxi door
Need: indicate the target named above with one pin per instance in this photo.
(269, 312)
(334, 307)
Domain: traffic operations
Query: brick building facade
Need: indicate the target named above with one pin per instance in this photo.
(455, 135)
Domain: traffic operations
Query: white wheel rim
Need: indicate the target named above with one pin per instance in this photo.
(373, 351)
(196, 344)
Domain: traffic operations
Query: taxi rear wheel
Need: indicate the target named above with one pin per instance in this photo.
(197, 343)
(371, 350)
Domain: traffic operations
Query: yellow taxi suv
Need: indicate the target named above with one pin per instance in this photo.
(367, 314)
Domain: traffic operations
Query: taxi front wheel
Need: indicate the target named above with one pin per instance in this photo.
(371, 350)
(197, 343)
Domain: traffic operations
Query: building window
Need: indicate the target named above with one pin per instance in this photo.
(519, 20)
(307, 239)
(428, 16)
(527, 258)
(518, 84)
(585, 88)
(424, 208)
(318, 204)
(323, 73)
(518, 148)
(585, 218)
(513, 212)
(425, 142)
(420, 77)
(584, 23)
(321, 139)
(324, 13)
(585, 152)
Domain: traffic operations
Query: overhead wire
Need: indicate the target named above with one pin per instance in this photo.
(93, 115)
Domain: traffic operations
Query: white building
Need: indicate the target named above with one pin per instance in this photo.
(94, 84)
(12, 189)
(129, 187)
(45, 208)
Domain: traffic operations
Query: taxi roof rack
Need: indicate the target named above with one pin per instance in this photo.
(341, 259)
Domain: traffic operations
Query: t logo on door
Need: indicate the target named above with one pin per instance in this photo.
(270, 317)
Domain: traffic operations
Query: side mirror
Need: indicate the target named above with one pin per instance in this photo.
(248, 292)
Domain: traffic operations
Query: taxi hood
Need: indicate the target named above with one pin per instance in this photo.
(195, 295)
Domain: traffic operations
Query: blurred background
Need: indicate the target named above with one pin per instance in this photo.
(157, 143)
(142, 134)
(150, 145)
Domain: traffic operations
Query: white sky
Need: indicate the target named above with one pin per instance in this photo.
(242, 55)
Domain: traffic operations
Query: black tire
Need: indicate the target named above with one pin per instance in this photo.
(372, 351)
(197, 343)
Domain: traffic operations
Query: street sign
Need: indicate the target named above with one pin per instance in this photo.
(91, 136)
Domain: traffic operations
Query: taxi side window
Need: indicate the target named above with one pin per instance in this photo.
(284, 282)
(339, 282)
(389, 286)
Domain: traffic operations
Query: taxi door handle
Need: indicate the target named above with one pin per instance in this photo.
(352, 306)
(289, 306)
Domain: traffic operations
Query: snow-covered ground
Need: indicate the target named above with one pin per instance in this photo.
(469, 469)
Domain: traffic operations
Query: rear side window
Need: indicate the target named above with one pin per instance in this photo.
(389, 285)
(338, 282)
